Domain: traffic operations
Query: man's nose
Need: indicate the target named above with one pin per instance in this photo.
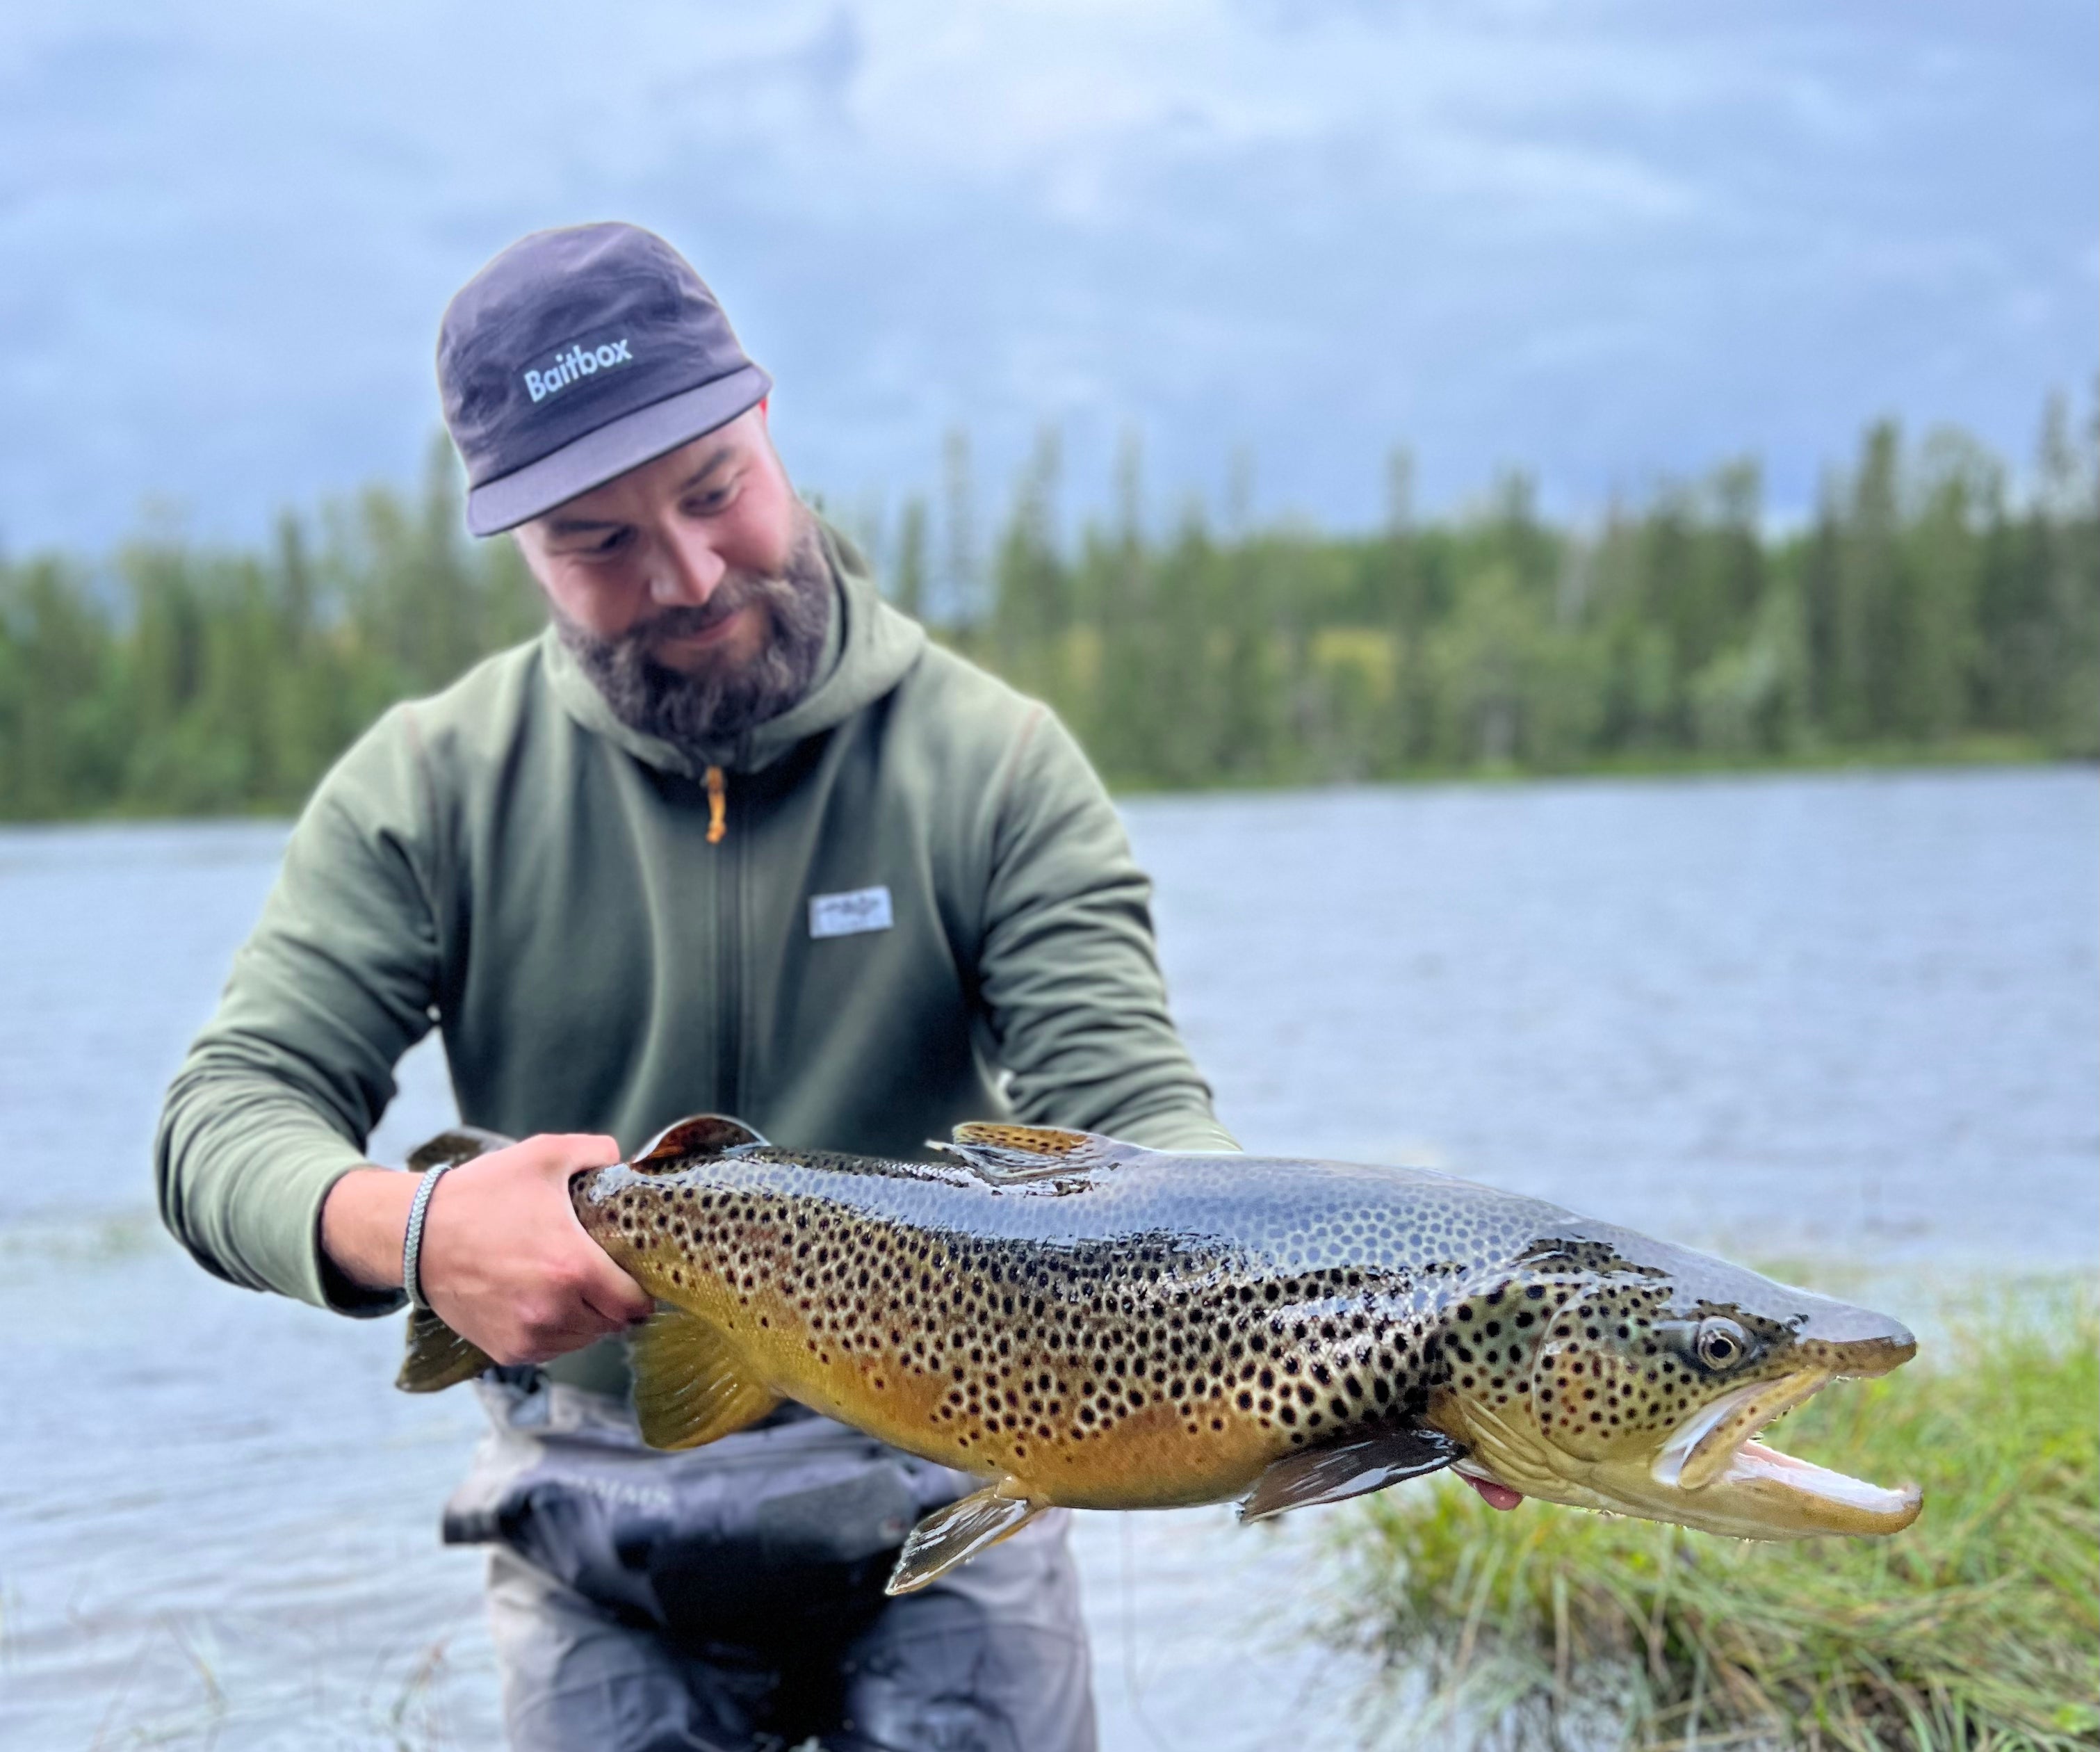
(685, 573)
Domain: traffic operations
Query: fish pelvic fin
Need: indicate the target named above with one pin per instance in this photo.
(438, 1357)
(691, 1384)
(1004, 1154)
(1345, 1469)
(697, 1135)
(949, 1536)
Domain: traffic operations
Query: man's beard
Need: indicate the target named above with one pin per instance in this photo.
(720, 700)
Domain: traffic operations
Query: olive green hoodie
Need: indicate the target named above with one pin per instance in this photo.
(909, 904)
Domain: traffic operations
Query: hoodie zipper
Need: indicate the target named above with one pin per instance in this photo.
(729, 935)
(717, 806)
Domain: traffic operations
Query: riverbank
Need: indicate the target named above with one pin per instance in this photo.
(1966, 753)
(1960, 754)
(1978, 1627)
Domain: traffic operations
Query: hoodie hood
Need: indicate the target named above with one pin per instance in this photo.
(869, 647)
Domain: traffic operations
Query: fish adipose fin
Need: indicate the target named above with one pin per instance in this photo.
(1005, 1153)
(1351, 1468)
(961, 1530)
(438, 1357)
(690, 1383)
(701, 1135)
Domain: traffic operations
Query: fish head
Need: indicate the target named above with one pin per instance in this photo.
(1629, 1376)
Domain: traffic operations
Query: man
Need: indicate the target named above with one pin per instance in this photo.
(731, 836)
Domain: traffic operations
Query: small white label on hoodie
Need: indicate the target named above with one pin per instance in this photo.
(863, 909)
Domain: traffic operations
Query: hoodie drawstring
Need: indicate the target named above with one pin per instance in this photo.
(717, 806)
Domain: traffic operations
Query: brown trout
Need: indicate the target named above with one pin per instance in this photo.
(1088, 1323)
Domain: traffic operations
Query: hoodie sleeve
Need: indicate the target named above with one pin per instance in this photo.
(278, 1094)
(1067, 969)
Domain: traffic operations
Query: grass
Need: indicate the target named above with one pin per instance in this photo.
(1978, 1627)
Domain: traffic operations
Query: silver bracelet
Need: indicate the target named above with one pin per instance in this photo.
(412, 1242)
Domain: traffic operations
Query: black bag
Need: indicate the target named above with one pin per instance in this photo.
(786, 1528)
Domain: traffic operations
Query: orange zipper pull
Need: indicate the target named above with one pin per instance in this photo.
(717, 806)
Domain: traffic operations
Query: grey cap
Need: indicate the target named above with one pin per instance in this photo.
(576, 356)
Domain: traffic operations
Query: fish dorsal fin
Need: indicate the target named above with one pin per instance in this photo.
(1351, 1468)
(701, 1135)
(961, 1530)
(463, 1143)
(1002, 1153)
(691, 1384)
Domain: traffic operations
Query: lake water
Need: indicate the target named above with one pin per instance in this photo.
(1845, 1021)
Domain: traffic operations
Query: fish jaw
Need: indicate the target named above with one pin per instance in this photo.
(1702, 1449)
(1716, 1476)
(1709, 1475)
(1766, 1494)
(1735, 1484)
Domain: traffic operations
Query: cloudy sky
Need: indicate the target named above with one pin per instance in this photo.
(1607, 239)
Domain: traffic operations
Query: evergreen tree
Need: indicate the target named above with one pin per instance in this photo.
(1030, 610)
(962, 606)
(909, 588)
(1866, 584)
(1930, 600)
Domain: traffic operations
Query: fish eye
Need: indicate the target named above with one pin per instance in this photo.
(1720, 1343)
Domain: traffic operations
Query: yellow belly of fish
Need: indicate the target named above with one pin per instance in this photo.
(1147, 1458)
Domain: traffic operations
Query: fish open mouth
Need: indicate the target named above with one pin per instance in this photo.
(1735, 1484)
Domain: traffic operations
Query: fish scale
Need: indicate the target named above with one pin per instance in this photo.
(1051, 1335)
(1088, 1323)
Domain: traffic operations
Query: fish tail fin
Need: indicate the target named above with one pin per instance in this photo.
(462, 1143)
(438, 1357)
(691, 1383)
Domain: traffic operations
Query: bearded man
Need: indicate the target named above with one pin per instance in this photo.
(730, 836)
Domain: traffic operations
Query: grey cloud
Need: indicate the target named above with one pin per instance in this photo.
(1606, 239)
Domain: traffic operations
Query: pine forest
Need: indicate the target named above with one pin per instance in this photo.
(1940, 603)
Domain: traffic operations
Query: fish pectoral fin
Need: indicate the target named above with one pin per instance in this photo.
(1005, 1153)
(1351, 1468)
(438, 1357)
(698, 1135)
(691, 1383)
(463, 1143)
(948, 1536)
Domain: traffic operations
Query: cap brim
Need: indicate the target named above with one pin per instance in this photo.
(611, 450)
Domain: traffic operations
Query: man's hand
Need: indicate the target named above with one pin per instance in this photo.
(505, 1262)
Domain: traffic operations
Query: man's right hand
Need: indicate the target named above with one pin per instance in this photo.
(505, 1262)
